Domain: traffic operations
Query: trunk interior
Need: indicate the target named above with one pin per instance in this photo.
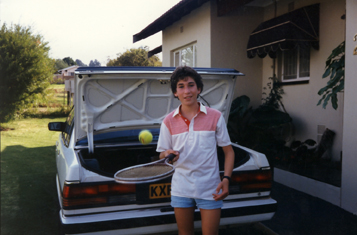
(108, 160)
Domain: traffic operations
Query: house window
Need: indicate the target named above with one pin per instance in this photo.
(185, 56)
(294, 65)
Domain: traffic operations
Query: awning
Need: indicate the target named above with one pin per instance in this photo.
(285, 32)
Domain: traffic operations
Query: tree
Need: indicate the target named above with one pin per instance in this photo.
(135, 57)
(80, 63)
(335, 68)
(69, 61)
(60, 64)
(94, 63)
(25, 69)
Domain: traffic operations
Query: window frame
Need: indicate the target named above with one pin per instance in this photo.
(179, 51)
(282, 66)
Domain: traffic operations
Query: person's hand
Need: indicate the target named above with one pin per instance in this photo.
(224, 186)
(168, 152)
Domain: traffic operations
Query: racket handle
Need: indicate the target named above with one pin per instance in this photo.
(171, 156)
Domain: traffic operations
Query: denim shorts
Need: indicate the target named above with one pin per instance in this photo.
(184, 202)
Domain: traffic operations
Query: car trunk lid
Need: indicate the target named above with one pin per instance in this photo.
(138, 97)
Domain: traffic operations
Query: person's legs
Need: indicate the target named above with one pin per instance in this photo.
(210, 215)
(184, 220)
(210, 221)
(184, 214)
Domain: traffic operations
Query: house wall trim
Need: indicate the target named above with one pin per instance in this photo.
(309, 186)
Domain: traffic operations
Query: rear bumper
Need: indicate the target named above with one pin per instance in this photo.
(157, 220)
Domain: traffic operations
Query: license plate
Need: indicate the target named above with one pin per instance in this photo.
(162, 190)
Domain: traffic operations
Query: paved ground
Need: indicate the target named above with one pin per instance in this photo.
(250, 229)
(247, 229)
(301, 214)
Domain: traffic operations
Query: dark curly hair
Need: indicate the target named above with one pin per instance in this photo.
(181, 73)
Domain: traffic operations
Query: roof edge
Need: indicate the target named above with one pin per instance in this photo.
(174, 14)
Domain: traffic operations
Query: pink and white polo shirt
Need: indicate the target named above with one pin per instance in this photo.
(196, 171)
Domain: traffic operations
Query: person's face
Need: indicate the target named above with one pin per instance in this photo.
(187, 91)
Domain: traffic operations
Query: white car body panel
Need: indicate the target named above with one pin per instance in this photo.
(67, 163)
(90, 176)
(260, 160)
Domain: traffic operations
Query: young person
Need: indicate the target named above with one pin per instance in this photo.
(192, 132)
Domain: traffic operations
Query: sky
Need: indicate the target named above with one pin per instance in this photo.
(87, 29)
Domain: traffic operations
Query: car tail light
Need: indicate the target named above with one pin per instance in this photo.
(85, 195)
(251, 181)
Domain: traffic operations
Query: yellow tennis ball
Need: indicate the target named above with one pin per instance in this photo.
(145, 137)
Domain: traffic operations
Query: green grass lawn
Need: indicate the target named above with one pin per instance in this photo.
(29, 202)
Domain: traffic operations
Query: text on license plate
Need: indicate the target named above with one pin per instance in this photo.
(159, 190)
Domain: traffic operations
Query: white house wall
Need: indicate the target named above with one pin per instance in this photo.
(192, 28)
(229, 38)
(221, 42)
(349, 163)
(300, 99)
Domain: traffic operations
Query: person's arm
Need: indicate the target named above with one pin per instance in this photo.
(228, 160)
(228, 168)
(164, 145)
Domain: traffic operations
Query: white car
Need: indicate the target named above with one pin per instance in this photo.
(100, 136)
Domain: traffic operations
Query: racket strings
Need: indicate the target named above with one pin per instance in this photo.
(144, 171)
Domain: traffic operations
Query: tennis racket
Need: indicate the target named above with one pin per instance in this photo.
(146, 173)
